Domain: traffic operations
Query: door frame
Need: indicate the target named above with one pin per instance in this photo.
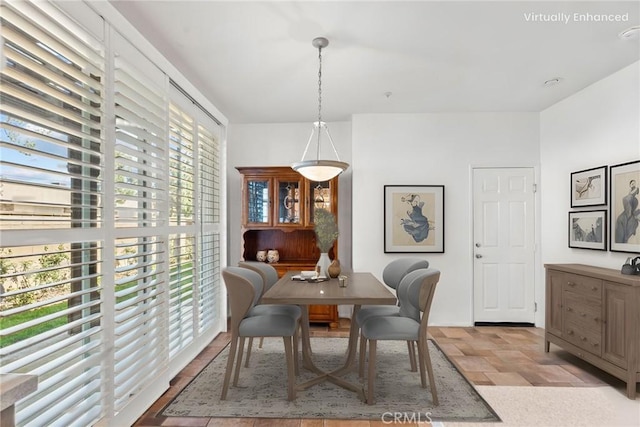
(538, 267)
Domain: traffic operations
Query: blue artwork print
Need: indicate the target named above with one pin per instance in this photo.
(417, 225)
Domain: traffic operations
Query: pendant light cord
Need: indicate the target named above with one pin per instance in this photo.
(319, 99)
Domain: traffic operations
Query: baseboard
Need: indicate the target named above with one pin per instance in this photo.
(507, 324)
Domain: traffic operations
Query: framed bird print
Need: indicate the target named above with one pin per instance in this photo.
(413, 218)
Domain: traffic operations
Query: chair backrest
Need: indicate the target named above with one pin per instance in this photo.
(415, 293)
(244, 288)
(397, 269)
(268, 273)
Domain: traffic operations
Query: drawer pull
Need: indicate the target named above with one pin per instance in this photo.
(583, 314)
(571, 284)
(583, 338)
(570, 332)
(594, 288)
(569, 309)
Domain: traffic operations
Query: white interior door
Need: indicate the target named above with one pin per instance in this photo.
(503, 228)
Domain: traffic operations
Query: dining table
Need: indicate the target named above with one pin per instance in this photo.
(361, 288)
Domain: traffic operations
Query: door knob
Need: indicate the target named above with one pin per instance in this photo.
(478, 245)
(478, 256)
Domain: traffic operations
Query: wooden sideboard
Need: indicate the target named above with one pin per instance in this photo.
(278, 206)
(594, 313)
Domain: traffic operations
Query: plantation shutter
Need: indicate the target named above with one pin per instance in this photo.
(140, 248)
(140, 153)
(51, 114)
(111, 214)
(209, 185)
(52, 169)
(182, 240)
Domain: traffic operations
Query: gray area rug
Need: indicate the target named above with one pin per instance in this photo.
(261, 391)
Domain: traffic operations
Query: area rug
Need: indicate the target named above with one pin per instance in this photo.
(262, 388)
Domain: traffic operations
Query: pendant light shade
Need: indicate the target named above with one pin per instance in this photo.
(320, 169)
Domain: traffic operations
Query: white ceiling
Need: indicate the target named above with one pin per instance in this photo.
(254, 60)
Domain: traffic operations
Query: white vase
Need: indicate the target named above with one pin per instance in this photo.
(324, 262)
(273, 255)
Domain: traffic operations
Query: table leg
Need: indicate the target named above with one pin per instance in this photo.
(307, 353)
(333, 376)
(352, 347)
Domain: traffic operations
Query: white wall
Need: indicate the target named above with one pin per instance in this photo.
(280, 144)
(425, 149)
(597, 126)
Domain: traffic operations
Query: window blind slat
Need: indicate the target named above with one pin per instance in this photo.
(133, 113)
(19, 113)
(41, 137)
(40, 86)
(44, 155)
(128, 321)
(52, 20)
(30, 64)
(36, 101)
(138, 83)
(38, 356)
(81, 55)
(140, 144)
(141, 107)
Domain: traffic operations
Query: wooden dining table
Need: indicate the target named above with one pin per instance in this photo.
(361, 289)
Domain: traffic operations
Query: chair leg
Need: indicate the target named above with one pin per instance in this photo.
(425, 360)
(236, 375)
(249, 347)
(421, 358)
(363, 350)
(412, 355)
(371, 398)
(288, 350)
(227, 373)
(261, 342)
(296, 354)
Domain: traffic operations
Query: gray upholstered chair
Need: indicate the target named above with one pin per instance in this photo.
(415, 293)
(269, 278)
(391, 276)
(244, 288)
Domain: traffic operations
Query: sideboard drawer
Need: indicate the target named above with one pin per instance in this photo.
(582, 336)
(583, 285)
(581, 308)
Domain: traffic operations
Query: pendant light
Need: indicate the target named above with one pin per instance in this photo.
(319, 170)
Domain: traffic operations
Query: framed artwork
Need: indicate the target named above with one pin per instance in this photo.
(589, 187)
(413, 218)
(588, 230)
(624, 211)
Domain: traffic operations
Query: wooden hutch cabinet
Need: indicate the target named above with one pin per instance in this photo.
(278, 207)
(594, 313)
